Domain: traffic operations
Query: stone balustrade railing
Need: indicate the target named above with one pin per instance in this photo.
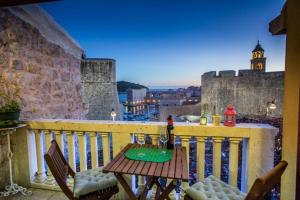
(257, 146)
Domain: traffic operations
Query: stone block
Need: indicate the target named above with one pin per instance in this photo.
(17, 65)
(65, 76)
(227, 73)
(210, 74)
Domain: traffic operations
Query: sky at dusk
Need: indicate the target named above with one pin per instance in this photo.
(172, 42)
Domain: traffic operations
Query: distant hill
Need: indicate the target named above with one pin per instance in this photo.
(123, 86)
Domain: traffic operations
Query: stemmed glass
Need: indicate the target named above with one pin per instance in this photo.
(140, 140)
(164, 139)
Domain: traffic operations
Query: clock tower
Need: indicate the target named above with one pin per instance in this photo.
(258, 61)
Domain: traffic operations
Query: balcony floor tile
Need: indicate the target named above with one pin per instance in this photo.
(38, 194)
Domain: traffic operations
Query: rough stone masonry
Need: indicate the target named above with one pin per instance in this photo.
(99, 88)
(48, 61)
(250, 92)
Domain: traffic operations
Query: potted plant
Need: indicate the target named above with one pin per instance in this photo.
(9, 100)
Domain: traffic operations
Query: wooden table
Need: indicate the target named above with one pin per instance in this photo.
(175, 169)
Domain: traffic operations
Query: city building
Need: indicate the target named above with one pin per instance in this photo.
(136, 96)
(135, 102)
(172, 100)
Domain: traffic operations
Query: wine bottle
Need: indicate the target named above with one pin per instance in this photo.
(170, 127)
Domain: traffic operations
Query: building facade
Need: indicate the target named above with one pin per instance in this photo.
(253, 92)
(136, 96)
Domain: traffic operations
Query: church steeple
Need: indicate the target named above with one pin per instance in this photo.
(258, 61)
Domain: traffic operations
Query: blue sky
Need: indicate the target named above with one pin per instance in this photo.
(172, 42)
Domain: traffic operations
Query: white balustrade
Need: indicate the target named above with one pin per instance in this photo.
(82, 150)
(41, 176)
(217, 153)
(59, 137)
(234, 160)
(106, 148)
(201, 156)
(49, 138)
(257, 155)
(94, 149)
(71, 149)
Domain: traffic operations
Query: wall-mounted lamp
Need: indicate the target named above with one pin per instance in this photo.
(113, 114)
(271, 106)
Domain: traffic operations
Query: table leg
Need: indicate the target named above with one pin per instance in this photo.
(12, 188)
(148, 186)
(165, 193)
(159, 189)
(125, 186)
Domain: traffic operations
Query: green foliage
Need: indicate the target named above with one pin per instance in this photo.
(9, 93)
(10, 106)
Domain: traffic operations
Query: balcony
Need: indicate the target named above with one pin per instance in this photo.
(109, 137)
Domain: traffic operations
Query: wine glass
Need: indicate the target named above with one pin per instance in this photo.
(140, 139)
(164, 139)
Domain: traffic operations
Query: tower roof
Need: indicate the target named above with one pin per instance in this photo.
(258, 47)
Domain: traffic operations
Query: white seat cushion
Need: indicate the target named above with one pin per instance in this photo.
(89, 181)
(213, 188)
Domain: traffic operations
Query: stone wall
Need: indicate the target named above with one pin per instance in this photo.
(250, 92)
(49, 72)
(99, 88)
(48, 63)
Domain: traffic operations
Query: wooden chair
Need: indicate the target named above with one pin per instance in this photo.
(61, 170)
(264, 184)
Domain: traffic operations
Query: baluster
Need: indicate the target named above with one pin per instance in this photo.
(41, 177)
(201, 157)
(106, 152)
(71, 149)
(217, 152)
(60, 140)
(82, 150)
(94, 150)
(234, 160)
(185, 141)
(49, 138)
(155, 139)
(244, 164)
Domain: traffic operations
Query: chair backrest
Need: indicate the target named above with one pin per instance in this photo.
(265, 184)
(59, 167)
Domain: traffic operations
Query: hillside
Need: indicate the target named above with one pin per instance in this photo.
(123, 86)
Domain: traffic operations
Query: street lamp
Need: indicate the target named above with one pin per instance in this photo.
(113, 114)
